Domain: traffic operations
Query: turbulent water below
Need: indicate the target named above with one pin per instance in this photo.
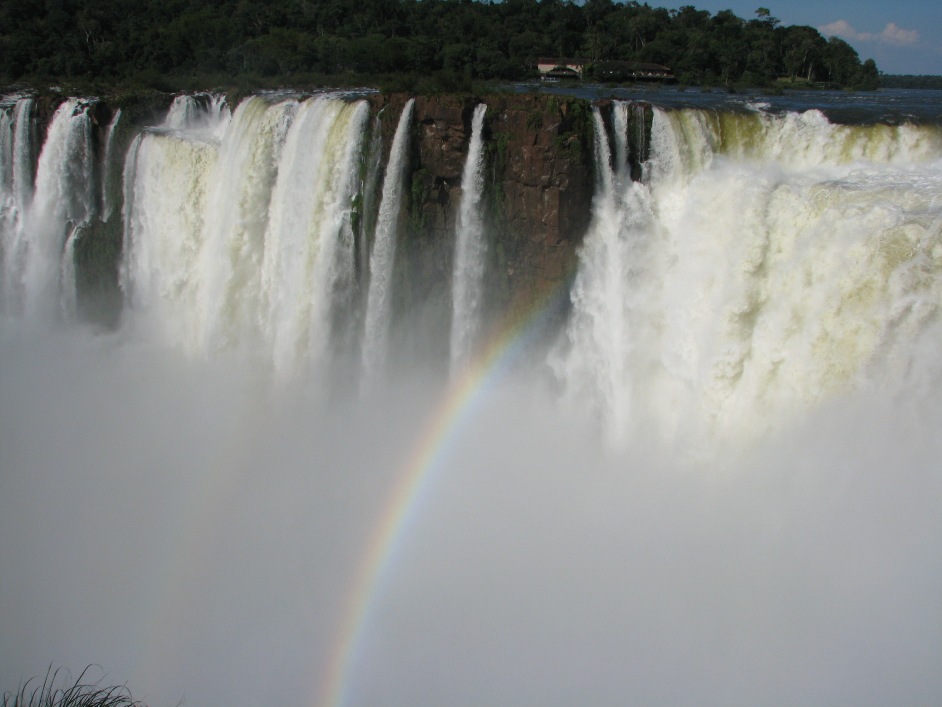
(718, 484)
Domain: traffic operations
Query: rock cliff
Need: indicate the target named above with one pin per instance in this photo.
(538, 193)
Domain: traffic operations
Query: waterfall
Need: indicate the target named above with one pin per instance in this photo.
(166, 181)
(308, 265)
(16, 191)
(183, 112)
(234, 223)
(739, 267)
(470, 250)
(383, 254)
(370, 188)
(608, 295)
(6, 153)
(765, 262)
(106, 167)
(131, 230)
(248, 241)
(206, 114)
(8, 213)
(65, 197)
(68, 296)
(23, 151)
(620, 130)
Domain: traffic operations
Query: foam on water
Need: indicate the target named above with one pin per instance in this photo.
(766, 263)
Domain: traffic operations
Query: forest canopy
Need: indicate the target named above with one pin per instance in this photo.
(455, 41)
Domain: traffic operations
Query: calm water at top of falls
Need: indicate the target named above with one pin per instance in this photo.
(892, 105)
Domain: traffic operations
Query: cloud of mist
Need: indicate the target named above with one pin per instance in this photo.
(196, 534)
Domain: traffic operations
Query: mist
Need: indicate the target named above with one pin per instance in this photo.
(195, 532)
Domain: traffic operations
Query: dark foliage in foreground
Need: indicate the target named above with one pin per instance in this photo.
(68, 693)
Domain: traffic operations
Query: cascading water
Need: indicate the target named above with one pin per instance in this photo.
(608, 318)
(470, 250)
(6, 148)
(107, 169)
(620, 130)
(184, 111)
(205, 114)
(308, 265)
(367, 209)
(65, 199)
(8, 212)
(16, 193)
(167, 178)
(68, 295)
(769, 261)
(245, 242)
(233, 237)
(234, 222)
(134, 298)
(383, 254)
(23, 153)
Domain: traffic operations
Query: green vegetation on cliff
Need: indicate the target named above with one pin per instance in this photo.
(171, 44)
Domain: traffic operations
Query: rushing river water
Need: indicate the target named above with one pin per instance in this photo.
(719, 484)
(886, 105)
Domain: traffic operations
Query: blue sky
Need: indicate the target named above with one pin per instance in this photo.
(902, 36)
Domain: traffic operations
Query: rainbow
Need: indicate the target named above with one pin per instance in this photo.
(498, 356)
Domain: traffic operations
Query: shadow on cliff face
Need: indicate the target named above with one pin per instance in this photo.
(200, 536)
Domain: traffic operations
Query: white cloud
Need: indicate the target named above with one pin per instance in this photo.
(891, 34)
(840, 28)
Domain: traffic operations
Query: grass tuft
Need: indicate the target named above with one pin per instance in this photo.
(59, 690)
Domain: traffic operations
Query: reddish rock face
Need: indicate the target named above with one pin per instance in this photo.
(538, 193)
(442, 136)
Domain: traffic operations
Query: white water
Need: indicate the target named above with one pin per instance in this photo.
(244, 243)
(470, 251)
(182, 112)
(309, 256)
(383, 253)
(620, 128)
(608, 322)
(166, 181)
(769, 292)
(107, 170)
(7, 122)
(8, 213)
(23, 153)
(235, 218)
(764, 266)
(68, 294)
(65, 197)
(205, 114)
(370, 192)
(16, 191)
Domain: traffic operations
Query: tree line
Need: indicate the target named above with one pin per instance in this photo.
(454, 41)
(911, 81)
